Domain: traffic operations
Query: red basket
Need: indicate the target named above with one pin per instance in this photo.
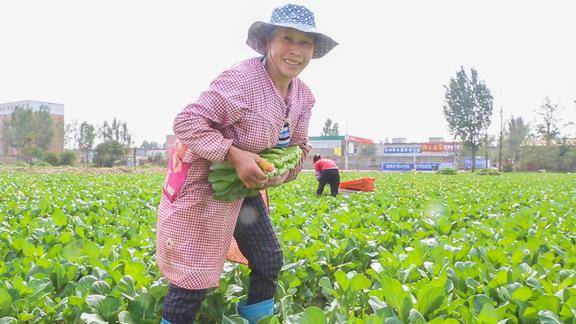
(362, 184)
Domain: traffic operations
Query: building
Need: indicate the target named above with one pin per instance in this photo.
(56, 112)
(349, 152)
(356, 153)
(332, 147)
(427, 156)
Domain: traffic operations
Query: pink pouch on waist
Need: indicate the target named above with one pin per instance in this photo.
(176, 172)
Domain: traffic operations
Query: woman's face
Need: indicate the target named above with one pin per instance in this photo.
(289, 52)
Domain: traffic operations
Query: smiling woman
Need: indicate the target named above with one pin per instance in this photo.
(289, 52)
(256, 105)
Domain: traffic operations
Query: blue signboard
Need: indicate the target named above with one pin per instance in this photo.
(422, 166)
(397, 166)
(427, 166)
(402, 149)
(446, 166)
(480, 163)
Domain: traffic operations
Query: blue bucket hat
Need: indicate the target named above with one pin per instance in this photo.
(292, 16)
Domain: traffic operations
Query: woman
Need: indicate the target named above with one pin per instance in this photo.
(257, 104)
(326, 173)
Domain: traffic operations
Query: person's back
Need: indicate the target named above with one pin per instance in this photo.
(326, 173)
(325, 164)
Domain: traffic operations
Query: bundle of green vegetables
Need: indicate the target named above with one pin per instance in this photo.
(275, 161)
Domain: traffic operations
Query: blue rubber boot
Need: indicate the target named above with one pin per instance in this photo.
(255, 312)
(165, 321)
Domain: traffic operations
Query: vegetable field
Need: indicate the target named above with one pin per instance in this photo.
(423, 248)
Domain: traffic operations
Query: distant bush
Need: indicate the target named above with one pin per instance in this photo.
(447, 171)
(508, 167)
(67, 158)
(51, 158)
(492, 172)
(41, 163)
(21, 164)
(157, 159)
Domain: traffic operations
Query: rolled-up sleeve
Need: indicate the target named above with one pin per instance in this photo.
(300, 138)
(220, 106)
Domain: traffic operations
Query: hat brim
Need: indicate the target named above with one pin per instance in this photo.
(259, 32)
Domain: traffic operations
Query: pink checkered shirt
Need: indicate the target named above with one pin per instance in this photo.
(241, 108)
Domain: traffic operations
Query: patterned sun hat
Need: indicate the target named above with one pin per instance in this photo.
(292, 16)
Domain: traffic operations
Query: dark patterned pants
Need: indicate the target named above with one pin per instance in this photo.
(259, 244)
(332, 177)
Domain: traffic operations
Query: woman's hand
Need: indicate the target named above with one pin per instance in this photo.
(276, 180)
(246, 165)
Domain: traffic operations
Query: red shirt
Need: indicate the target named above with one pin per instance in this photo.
(324, 164)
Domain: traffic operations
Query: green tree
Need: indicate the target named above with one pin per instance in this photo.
(28, 131)
(67, 158)
(365, 151)
(86, 138)
(547, 128)
(572, 125)
(108, 153)
(552, 158)
(488, 148)
(52, 159)
(150, 145)
(330, 129)
(117, 131)
(517, 133)
(70, 134)
(468, 109)
(44, 125)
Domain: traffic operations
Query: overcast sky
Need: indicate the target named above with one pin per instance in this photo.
(143, 61)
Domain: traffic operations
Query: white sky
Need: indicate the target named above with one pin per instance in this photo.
(143, 61)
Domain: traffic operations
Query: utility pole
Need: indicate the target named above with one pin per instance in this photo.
(454, 151)
(346, 148)
(134, 155)
(500, 141)
(486, 150)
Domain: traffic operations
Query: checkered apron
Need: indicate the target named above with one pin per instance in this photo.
(241, 108)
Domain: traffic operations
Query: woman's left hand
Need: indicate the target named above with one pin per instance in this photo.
(276, 180)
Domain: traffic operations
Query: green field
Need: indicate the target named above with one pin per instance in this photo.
(422, 248)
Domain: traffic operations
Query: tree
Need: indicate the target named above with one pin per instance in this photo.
(468, 109)
(86, 137)
(517, 134)
(330, 129)
(52, 159)
(28, 131)
(366, 150)
(117, 131)
(335, 130)
(71, 134)
(157, 158)
(108, 153)
(124, 137)
(105, 132)
(569, 124)
(150, 145)
(67, 158)
(486, 145)
(548, 129)
(44, 130)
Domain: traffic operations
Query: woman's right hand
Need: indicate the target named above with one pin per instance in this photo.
(246, 165)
